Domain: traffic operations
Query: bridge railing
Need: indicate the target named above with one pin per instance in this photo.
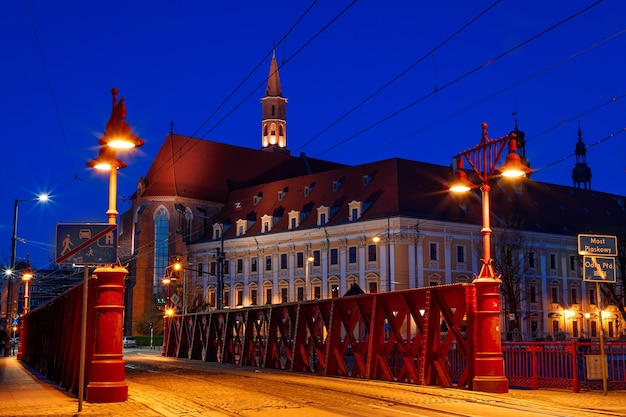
(570, 365)
(420, 336)
(51, 337)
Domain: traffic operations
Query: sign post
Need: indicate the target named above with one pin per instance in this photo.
(86, 244)
(599, 252)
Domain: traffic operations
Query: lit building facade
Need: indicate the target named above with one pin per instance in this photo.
(384, 226)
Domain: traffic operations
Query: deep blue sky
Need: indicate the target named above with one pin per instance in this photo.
(464, 63)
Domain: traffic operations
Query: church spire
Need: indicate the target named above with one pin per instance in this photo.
(581, 174)
(520, 138)
(274, 113)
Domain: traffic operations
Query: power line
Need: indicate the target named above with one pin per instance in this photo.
(184, 149)
(53, 96)
(459, 78)
(398, 76)
(435, 122)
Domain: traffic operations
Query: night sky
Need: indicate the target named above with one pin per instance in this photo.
(365, 80)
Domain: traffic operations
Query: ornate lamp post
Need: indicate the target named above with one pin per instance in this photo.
(107, 382)
(483, 158)
(11, 297)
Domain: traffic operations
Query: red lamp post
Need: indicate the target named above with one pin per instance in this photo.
(483, 158)
(169, 312)
(107, 383)
(27, 275)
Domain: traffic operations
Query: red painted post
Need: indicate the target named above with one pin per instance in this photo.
(107, 382)
(576, 381)
(488, 361)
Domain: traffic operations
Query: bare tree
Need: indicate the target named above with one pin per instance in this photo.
(614, 293)
(509, 263)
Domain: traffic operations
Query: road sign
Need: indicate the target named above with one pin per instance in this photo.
(86, 244)
(599, 269)
(597, 245)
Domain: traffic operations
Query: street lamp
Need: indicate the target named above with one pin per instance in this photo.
(117, 136)
(27, 275)
(220, 257)
(483, 159)
(107, 358)
(307, 267)
(10, 313)
(167, 280)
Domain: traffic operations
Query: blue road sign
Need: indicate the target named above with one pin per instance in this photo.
(86, 244)
(597, 245)
(601, 269)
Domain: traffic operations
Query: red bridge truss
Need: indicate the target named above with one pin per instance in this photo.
(421, 336)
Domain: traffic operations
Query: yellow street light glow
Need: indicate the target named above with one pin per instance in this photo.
(106, 160)
(121, 144)
(461, 184)
(513, 167)
(376, 239)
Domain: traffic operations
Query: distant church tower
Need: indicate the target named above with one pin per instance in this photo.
(581, 174)
(520, 137)
(274, 113)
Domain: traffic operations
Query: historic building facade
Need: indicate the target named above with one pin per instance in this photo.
(274, 228)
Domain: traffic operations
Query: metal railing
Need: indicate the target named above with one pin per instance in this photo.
(571, 365)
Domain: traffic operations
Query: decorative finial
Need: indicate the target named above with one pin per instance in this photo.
(114, 94)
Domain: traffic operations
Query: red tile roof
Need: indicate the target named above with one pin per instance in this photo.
(417, 189)
(207, 170)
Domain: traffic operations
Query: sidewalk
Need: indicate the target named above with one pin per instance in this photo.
(23, 393)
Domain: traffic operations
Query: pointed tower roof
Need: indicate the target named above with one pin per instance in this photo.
(273, 88)
(581, 174)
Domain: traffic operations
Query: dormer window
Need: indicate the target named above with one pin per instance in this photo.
(242, 227)
(355, 210)
(336, 185)
(282, 193)
(257, 198)
(266, 223)
(309, 189)
(294, 219)
(217, 231)
(366, 180)
(323, 214)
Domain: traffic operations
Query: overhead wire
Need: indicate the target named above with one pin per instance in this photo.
(184, 149)
(412, 133)
(254, 70)
(400, 75)
(53, 96)
(458, 79)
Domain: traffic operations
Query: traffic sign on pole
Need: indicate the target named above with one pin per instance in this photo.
(86, 244)
(599, 269)
(597, 245)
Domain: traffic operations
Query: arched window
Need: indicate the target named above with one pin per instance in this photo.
(161, 233)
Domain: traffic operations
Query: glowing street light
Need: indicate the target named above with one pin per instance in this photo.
(483, 159)
(307, 268)
(117, 135)
(110, 315)
(11, 297)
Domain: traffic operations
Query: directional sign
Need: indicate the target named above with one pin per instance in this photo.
(600, 269)
(597, 245)
(86, 244)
